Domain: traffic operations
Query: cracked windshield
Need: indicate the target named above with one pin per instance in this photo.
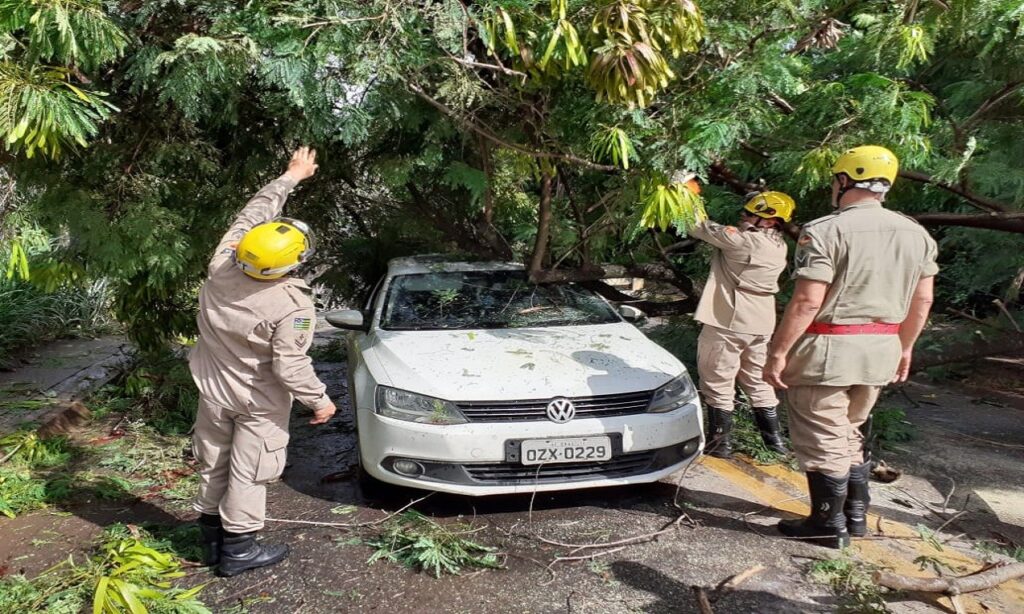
(487, 299)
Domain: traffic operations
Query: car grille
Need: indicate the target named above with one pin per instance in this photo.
(601, 406)
(624, 465)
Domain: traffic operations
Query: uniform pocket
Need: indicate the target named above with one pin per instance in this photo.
(273, 456)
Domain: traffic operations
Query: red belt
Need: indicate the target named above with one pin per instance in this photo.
(874, 328)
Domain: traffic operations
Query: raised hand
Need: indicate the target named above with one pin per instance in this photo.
(303, 164)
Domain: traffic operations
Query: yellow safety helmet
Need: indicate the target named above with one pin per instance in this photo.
(868, 162)
(274, 249)
(771, 205)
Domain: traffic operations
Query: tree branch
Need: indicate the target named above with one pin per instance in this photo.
(651, 308)
(496, 139)
(596, 272)
(494, 67)
(982, 202)
(990, 103)
(1006, 222)
(951, 586)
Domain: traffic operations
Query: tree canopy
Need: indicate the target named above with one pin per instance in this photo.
(566, 134)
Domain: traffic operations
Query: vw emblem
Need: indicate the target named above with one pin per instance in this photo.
(561, 410)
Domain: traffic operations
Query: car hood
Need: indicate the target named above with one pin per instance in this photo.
(523, 363)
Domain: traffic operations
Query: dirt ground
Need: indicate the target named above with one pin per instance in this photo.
(961, 474)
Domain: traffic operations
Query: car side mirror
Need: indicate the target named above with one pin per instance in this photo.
(348, 319)
(631, 314)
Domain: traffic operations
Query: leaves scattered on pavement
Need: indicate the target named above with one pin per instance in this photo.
(422, 544)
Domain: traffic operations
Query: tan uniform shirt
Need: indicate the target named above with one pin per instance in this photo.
(872, 259)
(740, 292)
(254, 335)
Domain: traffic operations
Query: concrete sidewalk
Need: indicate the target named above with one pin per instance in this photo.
(54, 375)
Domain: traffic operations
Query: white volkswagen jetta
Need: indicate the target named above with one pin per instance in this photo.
(466, 378)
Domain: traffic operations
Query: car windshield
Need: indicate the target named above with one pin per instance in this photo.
(487, 299)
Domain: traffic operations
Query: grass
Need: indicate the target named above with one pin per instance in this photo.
(419, 543)
(851, 581)
(1011, 550)
(160, 391)
(136, 462)
(32, 316)
(746, 439)
(890, 426)
(130, 569)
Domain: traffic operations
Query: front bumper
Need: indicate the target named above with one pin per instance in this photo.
(482, 458)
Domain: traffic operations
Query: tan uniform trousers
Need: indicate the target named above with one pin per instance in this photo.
(725, 358)
(824, 425)
(238, 454)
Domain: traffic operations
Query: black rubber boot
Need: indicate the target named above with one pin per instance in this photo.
(857, 499)
(826, 526)
(213, 537)
(767, 419)
(241, 552)
(716, 433)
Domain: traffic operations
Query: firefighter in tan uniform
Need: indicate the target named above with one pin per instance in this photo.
(863, 292)
(255, 327)
(737, 309)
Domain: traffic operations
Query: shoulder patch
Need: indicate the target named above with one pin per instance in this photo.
(804, 239)
(302, 323)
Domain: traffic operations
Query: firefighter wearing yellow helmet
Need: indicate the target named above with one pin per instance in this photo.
(255, 328)
(863, 292)
(737, 310)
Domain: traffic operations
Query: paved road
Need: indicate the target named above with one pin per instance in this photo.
(729, 508)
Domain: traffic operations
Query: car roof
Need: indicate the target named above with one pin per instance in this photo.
(433, 263)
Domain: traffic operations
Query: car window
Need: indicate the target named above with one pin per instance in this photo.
(487, 299)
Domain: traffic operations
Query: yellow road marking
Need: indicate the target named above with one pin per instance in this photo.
(895, 554)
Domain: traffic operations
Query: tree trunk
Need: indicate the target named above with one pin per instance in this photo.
(651, 308)
(540, 246)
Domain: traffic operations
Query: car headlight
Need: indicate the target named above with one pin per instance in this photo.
(673, 395)
(412, 407)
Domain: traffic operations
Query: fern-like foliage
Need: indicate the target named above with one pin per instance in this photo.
(42, 111)
(65, 32)
(47, 45)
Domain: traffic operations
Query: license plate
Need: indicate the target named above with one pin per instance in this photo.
(570, 450)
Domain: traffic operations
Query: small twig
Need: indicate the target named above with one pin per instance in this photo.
(501, 69)
(981, 439)
(586, 557)
(703, 605)
(950, 521)
(12, 452)
(1002, 307)
(629, 541)
(351, 525)
(731, 583)
(952, 489)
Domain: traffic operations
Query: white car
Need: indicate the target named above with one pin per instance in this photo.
(466, 378)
